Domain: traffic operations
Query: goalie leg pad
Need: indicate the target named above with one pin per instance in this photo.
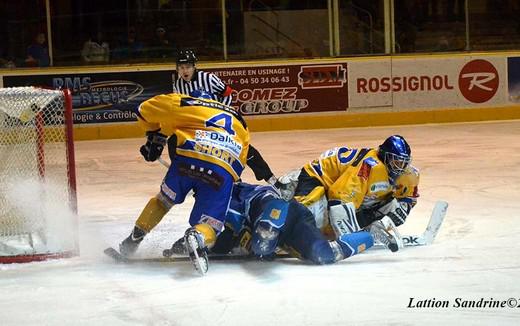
(343, 219)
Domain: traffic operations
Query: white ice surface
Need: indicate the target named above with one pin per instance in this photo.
(475, 167)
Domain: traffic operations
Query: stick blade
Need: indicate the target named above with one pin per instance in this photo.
(436, 219)
(115, 255)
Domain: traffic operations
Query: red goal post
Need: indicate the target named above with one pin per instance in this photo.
(38, 204)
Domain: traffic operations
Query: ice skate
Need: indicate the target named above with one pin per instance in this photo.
(381, 235)
(129, 246)
(178, 248)
(194, 243)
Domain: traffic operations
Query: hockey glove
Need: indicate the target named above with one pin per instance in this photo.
(396, 210)
(154, 146)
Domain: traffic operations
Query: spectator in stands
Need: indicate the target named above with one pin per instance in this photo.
(5, 60)
(161, 47)
(443, 44)
(95, 50)
(7, 63)
(37, 52)
(129, 48)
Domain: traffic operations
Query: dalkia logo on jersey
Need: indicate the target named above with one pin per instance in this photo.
(478, 81)
(322, 76)
(379, 186)
(219, 140)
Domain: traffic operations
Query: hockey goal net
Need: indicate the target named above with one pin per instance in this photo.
(37, 175)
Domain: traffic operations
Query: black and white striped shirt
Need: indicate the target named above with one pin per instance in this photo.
(205, 81)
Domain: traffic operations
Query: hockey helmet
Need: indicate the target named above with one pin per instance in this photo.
(396, 154)
(186, 56)
(200, 93)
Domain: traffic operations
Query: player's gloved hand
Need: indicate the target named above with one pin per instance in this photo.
(154, 146)
(397, 211)
(285, 187)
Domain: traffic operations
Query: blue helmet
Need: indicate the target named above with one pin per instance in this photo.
(268, 226)
(200, 93)
(396, 154)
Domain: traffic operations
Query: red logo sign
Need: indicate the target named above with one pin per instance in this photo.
(322, 76)
(478, 81)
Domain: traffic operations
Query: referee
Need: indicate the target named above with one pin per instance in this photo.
(188, 78)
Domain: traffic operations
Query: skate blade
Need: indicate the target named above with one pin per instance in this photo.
(200, 264)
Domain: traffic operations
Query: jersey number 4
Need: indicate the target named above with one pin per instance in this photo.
(222, 121)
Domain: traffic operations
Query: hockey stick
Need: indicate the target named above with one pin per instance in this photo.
(428, 236)
(114, 254)
(163, 162)
(424, 239)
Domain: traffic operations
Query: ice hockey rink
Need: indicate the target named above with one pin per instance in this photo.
(473, 166)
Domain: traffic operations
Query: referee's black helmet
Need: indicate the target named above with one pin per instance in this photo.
(186, 56)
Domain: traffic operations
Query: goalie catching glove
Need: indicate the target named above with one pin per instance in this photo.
(154, 146)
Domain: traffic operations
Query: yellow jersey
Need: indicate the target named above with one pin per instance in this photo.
(351, 175)
(206, 130)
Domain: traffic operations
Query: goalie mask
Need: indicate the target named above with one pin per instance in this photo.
(396, 154)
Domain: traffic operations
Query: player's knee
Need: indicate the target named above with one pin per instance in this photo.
(165, 201)
(321, 253)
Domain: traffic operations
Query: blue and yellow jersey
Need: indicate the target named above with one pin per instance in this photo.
(350, 175)
(206, 130)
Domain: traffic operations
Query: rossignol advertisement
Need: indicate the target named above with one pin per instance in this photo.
(267, 90)
(403, 83)
(102, 97)
(428, 82)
